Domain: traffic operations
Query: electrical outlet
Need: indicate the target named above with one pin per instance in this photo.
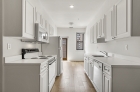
(126, 47)
(9, 46)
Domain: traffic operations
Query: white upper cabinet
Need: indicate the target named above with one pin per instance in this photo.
(108, 25)
(98, 29)
(19, 19)
(29, 20)
(101, 28)
(122, 18)
(93, 37)
(51, 30)
(94, 34)
(126, 19)
(121, 21)
(46, 24)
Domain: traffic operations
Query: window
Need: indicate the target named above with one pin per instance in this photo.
(79, 41)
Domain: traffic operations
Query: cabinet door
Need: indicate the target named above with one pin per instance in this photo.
(41, 20)
(38, 18)
(88, 66)
(121, 19)
(51, 30)
(43, 23)
(46, 24)
(106, 83)
(103, 27)
(95, 34)
(85, 63)
(108, 25)
(43, 82)
(89, 70)
(29, 26)
(92, 65)
(98, 29)
(92, 34)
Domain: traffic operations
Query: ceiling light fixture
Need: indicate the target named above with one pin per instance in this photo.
(71, 6)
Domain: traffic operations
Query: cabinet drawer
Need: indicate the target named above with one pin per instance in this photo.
(107, 69)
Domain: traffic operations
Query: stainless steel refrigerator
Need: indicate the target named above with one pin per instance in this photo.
(54, 47)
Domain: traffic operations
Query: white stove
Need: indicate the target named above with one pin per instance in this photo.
(30, 54)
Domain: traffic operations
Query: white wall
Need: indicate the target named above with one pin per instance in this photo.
(117, 46)
(17, 45)
(73, 54)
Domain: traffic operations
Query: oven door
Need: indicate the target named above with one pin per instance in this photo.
(51, 71)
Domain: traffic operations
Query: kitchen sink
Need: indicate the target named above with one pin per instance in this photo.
(98, 56)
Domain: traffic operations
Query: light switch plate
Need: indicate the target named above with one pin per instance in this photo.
(8, 46)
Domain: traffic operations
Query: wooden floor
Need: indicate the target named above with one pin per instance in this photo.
(73, 79)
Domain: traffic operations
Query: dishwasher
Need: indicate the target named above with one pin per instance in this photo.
(97, 79)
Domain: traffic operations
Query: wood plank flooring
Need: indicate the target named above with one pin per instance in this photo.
(73, 79)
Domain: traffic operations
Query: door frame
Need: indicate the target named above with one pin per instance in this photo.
(66, 48)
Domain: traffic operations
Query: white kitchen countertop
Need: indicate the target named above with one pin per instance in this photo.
(113, 61)
(28, 61)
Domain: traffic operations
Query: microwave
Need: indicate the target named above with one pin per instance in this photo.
(41, 35)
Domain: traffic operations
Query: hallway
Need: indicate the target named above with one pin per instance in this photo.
(73, 79)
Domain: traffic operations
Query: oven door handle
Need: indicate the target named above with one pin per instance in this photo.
(52, 62)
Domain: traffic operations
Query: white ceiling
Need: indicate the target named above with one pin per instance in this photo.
(81, 15)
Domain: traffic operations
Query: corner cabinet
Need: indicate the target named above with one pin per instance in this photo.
(19, 19)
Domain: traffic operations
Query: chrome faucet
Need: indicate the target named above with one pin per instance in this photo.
(106, 54)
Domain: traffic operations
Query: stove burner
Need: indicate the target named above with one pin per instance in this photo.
(49, 56)
(42, 56)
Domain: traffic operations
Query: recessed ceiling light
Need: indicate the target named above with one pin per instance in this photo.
(71, 6)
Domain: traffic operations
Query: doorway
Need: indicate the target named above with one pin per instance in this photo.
(64, 40)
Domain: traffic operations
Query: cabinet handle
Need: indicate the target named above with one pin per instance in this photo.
(106, 69)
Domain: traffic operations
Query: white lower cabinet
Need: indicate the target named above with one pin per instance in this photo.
(44, 81)
(106, 83)
(26, 77)
(86, 65)
(112, 78)
(90, 69)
